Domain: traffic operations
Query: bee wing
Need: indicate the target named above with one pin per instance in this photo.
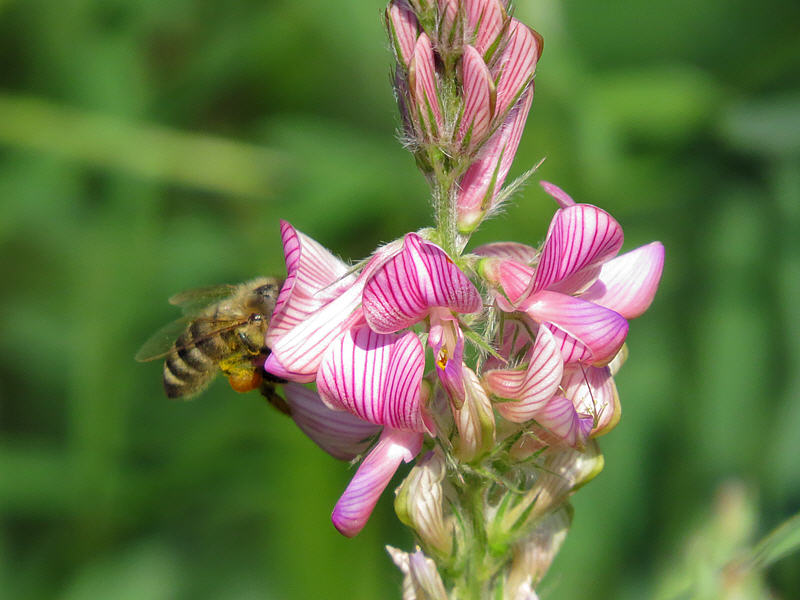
(162, 341)
(196, 299)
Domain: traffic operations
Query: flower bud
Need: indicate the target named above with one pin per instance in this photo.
(425, 106)
(474, 421)
(421, 580)
(419, 503)
(534, 554)
(403, 29)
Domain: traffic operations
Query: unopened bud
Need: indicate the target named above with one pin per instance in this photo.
(534, 554)
(403, 29)
(421, 580)
(419, 503)
(474, 421)
(425, 106)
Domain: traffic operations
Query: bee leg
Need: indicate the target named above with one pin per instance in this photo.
(269, 392)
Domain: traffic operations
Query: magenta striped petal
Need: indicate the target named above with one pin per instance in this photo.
(564, 200)
(354, 508)
(508, 250)
(421, 277)
(515, 279)
(593, 392)
(422, 78)
(532, 387)
(628, 283)
(403, 28)
(514, 345)
(376, 377)
(447, 342)
(580, 236)
(484, 178)
(514, 71)
(314, 278)
(340, 434)
(560, 418)
(478, 99)
(586, 331)
(297, 355)
(485, 19)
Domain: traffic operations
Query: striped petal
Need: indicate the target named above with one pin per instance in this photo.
(515, 279)
(447, 342)
(561, 419)
(514, 346)
(517, 63)
(485, 20)
(532, 387)
(628, 283)
(586, 332)
(564, 200)
(403, 29)
(580, 237)
(484, 178)
(314, 276)
(479, 99)
(376, 377)
(422, 84)
(421, 277)
(474, 420)
(340, 434)
(592, 391)
(354, 508)
(509, 250)
(296, 356)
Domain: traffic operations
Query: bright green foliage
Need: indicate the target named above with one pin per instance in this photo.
(148, 147)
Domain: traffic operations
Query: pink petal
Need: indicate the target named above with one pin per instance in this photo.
(628, 283)
(515, 279)
(560, 418)
(296, 355)
(516, 65)
(587, 332)
(485, 19)
(422, 78)
(533, 387)
(478, 99)
(403, 28)
(447, 342)
(508, 250)
(401, 292)
(314, 277)
(592, 391)
(376, 377)
(356, 503)
(580, 236)
(340, 434)
(484, 178)
(564, 200)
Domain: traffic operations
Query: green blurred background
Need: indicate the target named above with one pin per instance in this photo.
(148, 146)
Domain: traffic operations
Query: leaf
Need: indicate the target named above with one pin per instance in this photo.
(781, 542)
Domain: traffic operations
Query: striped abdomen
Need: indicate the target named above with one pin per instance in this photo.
(194, 358)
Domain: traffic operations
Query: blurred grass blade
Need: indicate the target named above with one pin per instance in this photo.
(784, 540)
(194, 159)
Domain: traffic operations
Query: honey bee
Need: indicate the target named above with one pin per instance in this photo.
(223, 330)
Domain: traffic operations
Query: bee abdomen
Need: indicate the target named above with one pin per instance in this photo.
(188, 368)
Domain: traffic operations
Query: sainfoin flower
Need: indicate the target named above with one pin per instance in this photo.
(345, 333)
(579, 296)
(491, 368)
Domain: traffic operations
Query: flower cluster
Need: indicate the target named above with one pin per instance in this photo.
(494, 366)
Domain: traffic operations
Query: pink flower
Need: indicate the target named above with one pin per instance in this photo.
(589, 326)
(345, 332)
(422, 282)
